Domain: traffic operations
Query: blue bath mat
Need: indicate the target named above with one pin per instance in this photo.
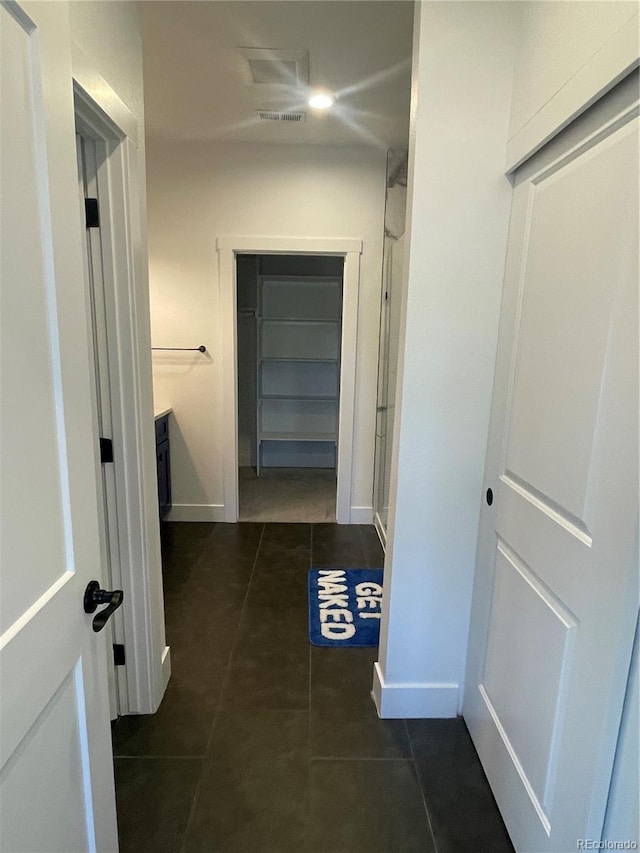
(344, 607)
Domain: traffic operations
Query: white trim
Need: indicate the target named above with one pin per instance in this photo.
(166, 667)
(289, 245)
(93, 181)
(380, 530)
(101, 98)
(228, 247)
(133, 434)
(229, 414)
(197, 512)
(347, 403)
(615, 59)
(361, 515)
(410, 701)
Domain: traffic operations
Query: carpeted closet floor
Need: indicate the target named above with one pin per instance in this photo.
(288, 495)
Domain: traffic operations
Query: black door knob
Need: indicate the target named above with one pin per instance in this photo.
(489, 496)
(94, 596)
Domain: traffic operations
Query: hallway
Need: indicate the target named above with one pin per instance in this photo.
(266, 744)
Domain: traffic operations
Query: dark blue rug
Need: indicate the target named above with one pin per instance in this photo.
(344, 607)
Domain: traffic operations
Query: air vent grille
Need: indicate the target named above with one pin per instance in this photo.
(269, 68)
(273, 115)
(274, 72)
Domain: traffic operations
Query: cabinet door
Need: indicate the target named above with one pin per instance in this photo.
(164, 479)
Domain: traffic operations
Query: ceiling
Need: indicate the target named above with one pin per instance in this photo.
(198, 83)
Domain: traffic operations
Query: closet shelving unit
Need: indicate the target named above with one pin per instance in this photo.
(298, 366)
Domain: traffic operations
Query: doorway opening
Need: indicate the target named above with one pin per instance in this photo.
(289, 317)
(344, 254)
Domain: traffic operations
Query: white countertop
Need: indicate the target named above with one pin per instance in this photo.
(160, 413)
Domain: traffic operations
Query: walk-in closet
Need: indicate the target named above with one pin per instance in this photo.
(289, 313)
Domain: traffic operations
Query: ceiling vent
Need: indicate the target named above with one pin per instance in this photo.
(271, 67)
(274, 73)
(274, 115)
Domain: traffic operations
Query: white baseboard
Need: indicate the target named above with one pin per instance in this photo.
(166, 667)
(196, 512)
(411, 701)
(382, 533)
(361, 515)
(215, 512)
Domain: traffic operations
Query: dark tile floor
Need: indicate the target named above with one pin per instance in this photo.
(264, 744)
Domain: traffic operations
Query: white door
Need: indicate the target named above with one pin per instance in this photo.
(56, 769)
(556, 587)
(103, 365)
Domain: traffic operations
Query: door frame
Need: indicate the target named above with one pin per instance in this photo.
(90, 152)
(101, 115)
(228, 248)
(389, 242)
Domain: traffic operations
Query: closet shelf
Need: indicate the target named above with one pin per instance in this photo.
(299, 358)
(300, 321)
(307, 398)
(299, 436)
(298, 352)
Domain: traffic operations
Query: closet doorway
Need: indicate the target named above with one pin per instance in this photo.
(289, 332)
(347, 251)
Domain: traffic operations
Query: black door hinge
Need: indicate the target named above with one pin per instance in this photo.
(91, 213)
(106, 450)
(118, 654)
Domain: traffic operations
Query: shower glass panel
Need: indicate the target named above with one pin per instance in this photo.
(387, 377)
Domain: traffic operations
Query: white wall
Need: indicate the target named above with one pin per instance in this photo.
(108, 40)
(488, 77)
(109, 34)
(200, 191)
(107, 59)
(570, 52)
(457, 219)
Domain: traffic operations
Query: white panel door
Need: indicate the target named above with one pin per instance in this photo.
(56, 769)
(557, 584)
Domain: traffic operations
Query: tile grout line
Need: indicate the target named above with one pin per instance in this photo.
(242, 613)
(422, 794)
(337, 758)
(172, 757)
(363, 549)
(219, 705)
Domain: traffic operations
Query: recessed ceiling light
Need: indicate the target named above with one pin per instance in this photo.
(320, 101)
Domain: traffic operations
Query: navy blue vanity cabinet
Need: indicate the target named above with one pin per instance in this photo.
(162, 461)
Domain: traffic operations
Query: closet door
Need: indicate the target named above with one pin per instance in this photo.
(556, 590)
